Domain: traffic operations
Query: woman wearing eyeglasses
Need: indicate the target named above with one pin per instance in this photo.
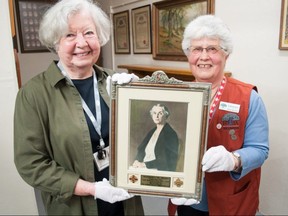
(238, 127)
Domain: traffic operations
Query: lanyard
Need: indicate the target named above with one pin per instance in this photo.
(216, 100)
(96, 122)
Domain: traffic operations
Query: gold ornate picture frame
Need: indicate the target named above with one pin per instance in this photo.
(130, 122)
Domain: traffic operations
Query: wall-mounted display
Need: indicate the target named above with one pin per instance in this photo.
(29, 14)
(121, 32)
(141, 29)
(169, 21)
(283, 39)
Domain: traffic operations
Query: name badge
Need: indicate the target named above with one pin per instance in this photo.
(104, 161)
(231, 107)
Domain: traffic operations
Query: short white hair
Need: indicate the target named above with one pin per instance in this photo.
(208, 26)
(164, 108)
(54, 23)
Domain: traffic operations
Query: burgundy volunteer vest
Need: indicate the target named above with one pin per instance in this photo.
(227, 128)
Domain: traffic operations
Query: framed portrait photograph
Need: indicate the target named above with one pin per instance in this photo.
(141, 29)
(169, 21)
(158, 136)
(29, 14)
(121, 32)
(283, 38)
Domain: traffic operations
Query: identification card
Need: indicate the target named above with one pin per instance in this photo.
(231, 107)
(104, 162)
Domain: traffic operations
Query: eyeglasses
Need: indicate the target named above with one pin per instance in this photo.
(210, 50)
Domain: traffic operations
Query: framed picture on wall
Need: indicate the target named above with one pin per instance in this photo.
(172, 167)
(141, 29)
(283, 38)
(29, 14)
(169, 21)
(121, 32)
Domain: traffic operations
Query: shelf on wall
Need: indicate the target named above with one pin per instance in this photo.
(178, 73)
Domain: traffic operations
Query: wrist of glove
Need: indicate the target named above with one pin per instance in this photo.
(124, 78)
(184, 201)
(106, 192)
(218, 159)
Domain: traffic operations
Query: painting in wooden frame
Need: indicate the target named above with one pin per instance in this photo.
(141, 29)
(167, 37)
(283, 38)
(174, 170)
(121, 32)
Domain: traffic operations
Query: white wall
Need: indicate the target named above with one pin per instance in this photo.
(256, 59)
(31, 64)
(16, 196)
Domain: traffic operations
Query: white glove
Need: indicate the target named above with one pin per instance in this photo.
(108, 83)
(184, 201)
(106, 192)
(124, 78)
(218, 159)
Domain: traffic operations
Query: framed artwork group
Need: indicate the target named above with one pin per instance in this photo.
(141, 30)
(146, 19)
(167, 21)
(166, 41)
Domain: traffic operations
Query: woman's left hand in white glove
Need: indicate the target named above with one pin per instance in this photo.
(218, 159)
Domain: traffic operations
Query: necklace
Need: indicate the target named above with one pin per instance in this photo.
(216, 98)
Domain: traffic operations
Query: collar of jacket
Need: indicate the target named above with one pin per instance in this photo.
(54, 74)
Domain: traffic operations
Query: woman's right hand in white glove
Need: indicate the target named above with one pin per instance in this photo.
(184, 201)
(106, 192)
(101, 190)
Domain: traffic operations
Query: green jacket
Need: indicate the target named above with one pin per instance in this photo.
(52, 146)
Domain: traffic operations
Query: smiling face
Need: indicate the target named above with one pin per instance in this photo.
(207, 68)
(79, 49)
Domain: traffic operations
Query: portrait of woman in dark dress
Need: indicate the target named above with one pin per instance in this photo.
(159, 149)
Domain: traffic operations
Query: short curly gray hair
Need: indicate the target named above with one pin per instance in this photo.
(207, 26)
(54, 23)
(164, 108)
